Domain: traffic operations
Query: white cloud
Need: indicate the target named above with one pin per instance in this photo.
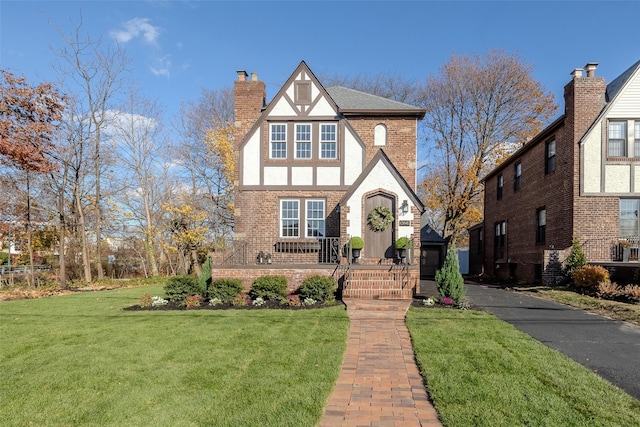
(137, 27)
(162, 66)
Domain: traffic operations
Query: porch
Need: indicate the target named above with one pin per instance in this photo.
(607, 250)
(249, 258)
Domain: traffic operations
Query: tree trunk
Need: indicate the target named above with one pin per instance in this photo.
(86, 262)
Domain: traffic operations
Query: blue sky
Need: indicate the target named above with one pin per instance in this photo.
(179, 47)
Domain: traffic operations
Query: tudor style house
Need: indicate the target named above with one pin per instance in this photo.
(314, 167)
(578, 177)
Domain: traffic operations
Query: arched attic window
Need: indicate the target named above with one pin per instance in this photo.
(380, 135)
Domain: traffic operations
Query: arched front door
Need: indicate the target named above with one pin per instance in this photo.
(379, 244)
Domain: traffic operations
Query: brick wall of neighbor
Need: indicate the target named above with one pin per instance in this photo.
(568, 213)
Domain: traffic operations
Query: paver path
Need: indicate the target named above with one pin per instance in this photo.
(380, 384)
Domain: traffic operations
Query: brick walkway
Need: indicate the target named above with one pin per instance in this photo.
(379, 384)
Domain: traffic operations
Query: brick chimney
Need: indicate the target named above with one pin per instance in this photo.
(584, 98)
(249, 97)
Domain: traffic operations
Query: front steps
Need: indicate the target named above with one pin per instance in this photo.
(378, 282)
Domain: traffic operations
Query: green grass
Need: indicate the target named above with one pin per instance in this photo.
(81, 360)
(481, 371)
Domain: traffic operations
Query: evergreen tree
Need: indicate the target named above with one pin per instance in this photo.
(205, 276)
(449, 281)
(575, 260)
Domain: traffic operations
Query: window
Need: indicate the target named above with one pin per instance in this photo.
(500, 186)
(550, 156)
(289, 218)
(617, 141)
(636, 138)
(328, 141)
(517, 176)
(541, 225)
(380, 135)
(315, 218)
(628, 217)
(303, 141)
(278, 141)
(500, 240)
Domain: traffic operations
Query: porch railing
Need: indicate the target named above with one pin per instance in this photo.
(263, 251)
(623, 249)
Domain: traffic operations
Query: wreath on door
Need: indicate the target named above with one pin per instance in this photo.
(380, 218)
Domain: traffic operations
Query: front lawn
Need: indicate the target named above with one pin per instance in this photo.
(481, 371)
(81, 360)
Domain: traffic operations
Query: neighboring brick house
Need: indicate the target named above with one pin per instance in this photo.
(578, 177)
(310, 167)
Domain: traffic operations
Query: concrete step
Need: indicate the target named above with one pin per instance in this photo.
(379, 293)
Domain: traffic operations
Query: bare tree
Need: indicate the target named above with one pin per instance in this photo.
(479, 109)
(137, 134)
(386, 85)
(95, 74)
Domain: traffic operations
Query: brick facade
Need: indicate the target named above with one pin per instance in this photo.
(568, 213)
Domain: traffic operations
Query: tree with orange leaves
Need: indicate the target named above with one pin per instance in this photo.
(28, 116)
(479, 110)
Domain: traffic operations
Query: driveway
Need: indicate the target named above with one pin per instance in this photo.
(608, 347)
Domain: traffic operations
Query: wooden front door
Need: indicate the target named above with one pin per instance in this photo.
(379, 244)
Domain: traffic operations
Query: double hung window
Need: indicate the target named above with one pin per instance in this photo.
(278, 140)
(303, 141)
(628, 217)
(517, 176)
(292, 215)
(328, 141)
(541, 225)
(550, 156)
(636, 138)
(500, 186)
(500, 240)
(617, 139)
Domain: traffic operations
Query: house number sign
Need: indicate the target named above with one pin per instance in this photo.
(405, 223)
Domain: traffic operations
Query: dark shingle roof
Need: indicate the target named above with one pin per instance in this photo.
(614, 87)
(353, 100)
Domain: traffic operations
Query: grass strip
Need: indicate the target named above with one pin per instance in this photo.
(481, 371)
(81, 360)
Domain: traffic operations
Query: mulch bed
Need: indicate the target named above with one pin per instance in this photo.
(273, 305)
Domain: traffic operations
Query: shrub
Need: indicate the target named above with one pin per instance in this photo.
(449, 281)
(269, 288)
(178, 288)
(192, 301)
(589, 276)
(293, 300)
(145, 301)
(404, 243)
(608, 290)
(632, 291)
(356, 242)
(225, 289)
(240, 300)
(319, 288)
(575, 260)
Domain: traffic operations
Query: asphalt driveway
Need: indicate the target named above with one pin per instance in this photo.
(608, 347)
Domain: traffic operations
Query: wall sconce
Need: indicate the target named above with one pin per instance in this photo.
(269, 259)
(260, 257)
(404, 208)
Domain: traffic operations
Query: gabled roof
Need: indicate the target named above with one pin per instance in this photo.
(619, 82)
(382, 156)
(428, 234)
(351, 101)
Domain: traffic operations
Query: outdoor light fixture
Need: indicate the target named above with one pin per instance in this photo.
(260, 257)
(404, 208)
(268, 258)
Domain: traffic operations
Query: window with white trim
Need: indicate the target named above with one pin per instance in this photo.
(303, 141)
(278, 140)
(629, 217)
(328, 141)
(315, 219)
(289, 218)
(617, 139)
(380, 135)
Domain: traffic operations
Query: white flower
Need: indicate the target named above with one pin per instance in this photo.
(429, 302)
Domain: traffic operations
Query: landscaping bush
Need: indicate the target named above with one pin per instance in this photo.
(269, 288)
(225, 289)
(146, 301)
(590, 276)
(403, 243)
(632, 291)
(192, 301)
(319, 288)
(356, 242)
(608, 290)
(575, 260)
(449, 281)
(178, 288)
